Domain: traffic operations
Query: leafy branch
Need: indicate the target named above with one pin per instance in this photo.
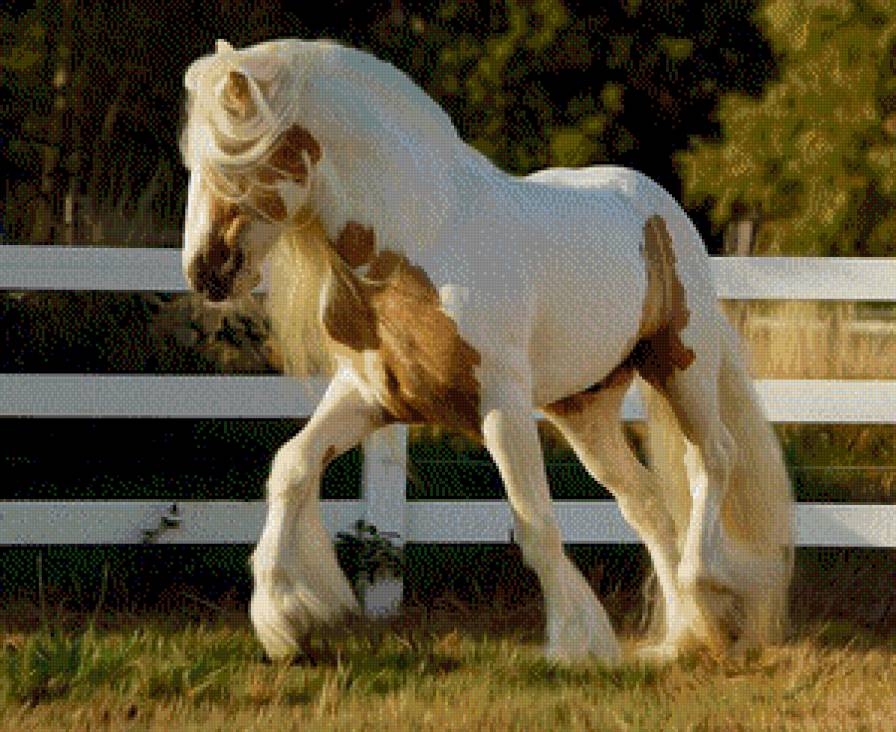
(374, 551)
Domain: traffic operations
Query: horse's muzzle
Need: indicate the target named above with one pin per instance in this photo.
(213, 273)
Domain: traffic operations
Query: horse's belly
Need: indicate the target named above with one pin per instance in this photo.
(583, 333)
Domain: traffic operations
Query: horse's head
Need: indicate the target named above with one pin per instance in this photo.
(251, 167)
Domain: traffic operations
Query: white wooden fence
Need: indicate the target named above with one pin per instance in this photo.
(383, 500)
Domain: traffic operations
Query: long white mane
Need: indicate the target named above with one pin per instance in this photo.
(363, 91)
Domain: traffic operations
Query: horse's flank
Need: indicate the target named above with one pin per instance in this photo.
(657, 348)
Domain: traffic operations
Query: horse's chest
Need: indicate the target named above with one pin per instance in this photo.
(400, 342)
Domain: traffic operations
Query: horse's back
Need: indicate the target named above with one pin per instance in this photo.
(633, 184)
(645, 198)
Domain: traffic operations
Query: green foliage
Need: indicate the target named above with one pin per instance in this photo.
(24, 41)
(564, 82)
(483, 72)
(25, 94)
(372, 553)
(57, 665)
(815, 154)
(530, 83)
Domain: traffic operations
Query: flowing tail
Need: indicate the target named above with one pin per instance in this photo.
(757, 510)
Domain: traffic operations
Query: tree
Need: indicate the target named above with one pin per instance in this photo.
(813, 159)
(24, 94)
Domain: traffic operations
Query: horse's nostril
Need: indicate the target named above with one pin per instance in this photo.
(218, 255)
(237, 259)
(217, 290)
(198, 273)
(213, 273)
(201, 274)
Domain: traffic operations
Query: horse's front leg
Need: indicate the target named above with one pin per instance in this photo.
(577, 625)
(297, 578)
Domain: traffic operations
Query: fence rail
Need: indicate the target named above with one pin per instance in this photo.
(383, 501)
(433, 522)
(159, 270)
(196, 397)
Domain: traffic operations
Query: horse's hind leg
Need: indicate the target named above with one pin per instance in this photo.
(590, 423)
(577, 624)
(707, 573)
(297, 578)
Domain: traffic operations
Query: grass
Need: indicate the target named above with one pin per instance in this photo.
(450, 667)
(813, 340)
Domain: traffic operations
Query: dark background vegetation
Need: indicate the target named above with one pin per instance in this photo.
(775, 123)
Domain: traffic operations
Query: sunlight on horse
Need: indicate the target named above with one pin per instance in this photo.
(437, 289)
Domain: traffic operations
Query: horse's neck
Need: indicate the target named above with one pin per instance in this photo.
(406, 195)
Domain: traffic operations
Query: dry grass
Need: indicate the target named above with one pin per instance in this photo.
(814, 340)
(457, 668)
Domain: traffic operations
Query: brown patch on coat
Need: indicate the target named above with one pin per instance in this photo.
(214, 270)
(385, 264)
(329, 454)
(268, 176)
(231, 232)
(349, 317)
(236, 97)
(269, 203)
(427, 368)
(287, 153)
(227, 223)
(658, 349)
(284, 162)
(356, 244)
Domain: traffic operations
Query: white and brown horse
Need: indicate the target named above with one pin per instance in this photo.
(438, 289)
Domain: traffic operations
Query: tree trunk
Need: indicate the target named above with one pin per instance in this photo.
(47, 207)
(739, 235)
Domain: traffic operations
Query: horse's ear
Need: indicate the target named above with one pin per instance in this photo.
(236, 97)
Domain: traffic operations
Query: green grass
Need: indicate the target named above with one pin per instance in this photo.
(448, 668)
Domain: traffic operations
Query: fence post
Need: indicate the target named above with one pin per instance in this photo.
(383, 488)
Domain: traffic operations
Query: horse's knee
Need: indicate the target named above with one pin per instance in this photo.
(540, 543)
(293, 470)
(719, 454)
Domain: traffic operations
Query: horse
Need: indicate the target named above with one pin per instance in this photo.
(435, 288)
